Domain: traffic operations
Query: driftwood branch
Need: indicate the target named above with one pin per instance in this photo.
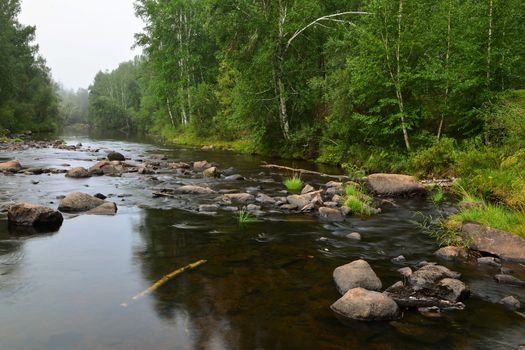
(304, 171)
(165, 279)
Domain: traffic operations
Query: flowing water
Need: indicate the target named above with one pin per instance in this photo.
(266, 285)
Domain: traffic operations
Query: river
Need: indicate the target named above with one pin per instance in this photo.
(266, 285)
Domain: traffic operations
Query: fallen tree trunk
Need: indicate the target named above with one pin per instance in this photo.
(304, 171)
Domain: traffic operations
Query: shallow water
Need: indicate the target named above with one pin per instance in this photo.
(266, 285)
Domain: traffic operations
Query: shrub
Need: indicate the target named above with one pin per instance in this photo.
(435, 161)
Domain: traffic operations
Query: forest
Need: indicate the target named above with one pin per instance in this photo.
(327, 80)
(28, 97)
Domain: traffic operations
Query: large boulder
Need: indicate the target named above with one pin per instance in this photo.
(191, 189)
(77, 202)
(394, 185)
(27, 214)
(356, 274)
(364, 305)
(116, 156)
(452, 289)
(78, 173)
(505, 245)
(12, 166)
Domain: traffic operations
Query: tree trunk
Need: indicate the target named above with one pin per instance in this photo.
(283, 113)
(399, 91)
(447, 60)
(489, 42)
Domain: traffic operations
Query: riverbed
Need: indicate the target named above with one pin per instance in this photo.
(265, 285)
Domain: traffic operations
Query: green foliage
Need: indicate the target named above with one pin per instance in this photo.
(27, 95)
(435, 161)
(245, 217)
(294, 184)
(355, 199)
(442, 231)
(495, 216)
(437, 194)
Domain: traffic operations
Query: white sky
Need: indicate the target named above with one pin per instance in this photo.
(78, 38)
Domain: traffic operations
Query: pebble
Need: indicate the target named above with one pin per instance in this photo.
(354, 235)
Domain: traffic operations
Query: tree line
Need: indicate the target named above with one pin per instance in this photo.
(316, 77)
(28, 99)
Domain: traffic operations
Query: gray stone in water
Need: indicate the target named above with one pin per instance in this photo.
(354, 235)
(191, 189)
(239, 197)
(427, 276)
(489, 260)
(398, 259)
(235, 177)
(211, 172)
(209, 208)
(331, 214)
(508, 279)
(358, 273)
(452, 289)
(450, 253)
(79, 202)
(511, 302)
(331, 204)
(265, 199)
(253, 207)
(364, 305)
(405, 271)
(394, 185)
(78, 173)
(27, 214)
(116, 156)
(108, 208)
(299, 201)
(307, 189)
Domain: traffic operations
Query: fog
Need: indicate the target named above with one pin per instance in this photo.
(80, 37)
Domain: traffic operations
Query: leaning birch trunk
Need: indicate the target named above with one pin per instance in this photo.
(447, 59)
(399, 92)
(283, 113)
(168, 105)
(489, 41)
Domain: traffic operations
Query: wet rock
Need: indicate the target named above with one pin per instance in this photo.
(331, 204)
(34, 171)
(331, 214)
(398, 284)
(427, 276)
(450, 253)
(35, 182)
(201, 165)
(288, 207)
(107, 208)
(179, 165)
(358, 273)
(234, 177)
(299, 201)
(10, 166)
(508, 279)
(394, 185)
(452, 289)
(346, 210)
(307, 189)
(239, 197)
(209, 208)
(253, 208)
(503, 244)
(398, 259)
(364, 305)
(405, 271)
(337, 198)
(100, 196)
(490, 261)
(334, 184)
(79, 202)
(78, 173)
(354, 235)
(27, 214)
(116, 156)
(511, 302)
(143, 169)
(506, 270)
(334, 191)
(264, 199)
(191, 189)
(211, 172)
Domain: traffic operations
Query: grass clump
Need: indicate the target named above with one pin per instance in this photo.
(492, 215)
(358, 202)
(437, 194)
(246, 217)
(442, 231)
(293, 184)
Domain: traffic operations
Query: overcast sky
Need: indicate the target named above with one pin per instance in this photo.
(80, 37)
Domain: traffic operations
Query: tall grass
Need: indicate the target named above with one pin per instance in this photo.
(293, 184)
(246, 217)
(358, 202)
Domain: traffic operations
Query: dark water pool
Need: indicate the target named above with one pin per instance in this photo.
(266, 285)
